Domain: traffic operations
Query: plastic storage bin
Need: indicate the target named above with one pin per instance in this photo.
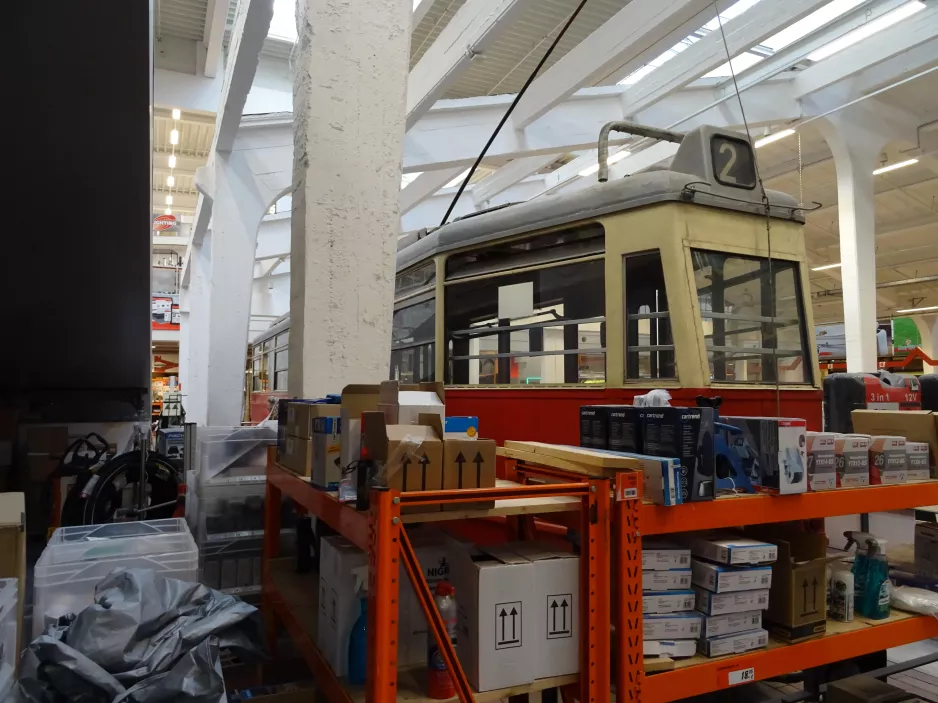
(8, 631)
(77, 558)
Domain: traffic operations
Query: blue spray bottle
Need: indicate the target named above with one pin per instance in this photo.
(878, 585)
(358, 639)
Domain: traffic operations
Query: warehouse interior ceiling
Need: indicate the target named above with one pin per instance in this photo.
(495, 44)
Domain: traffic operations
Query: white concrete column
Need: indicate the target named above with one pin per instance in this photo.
(239, 206)
(193, 363)
(855, 147)
(349, 90)
(928, 328)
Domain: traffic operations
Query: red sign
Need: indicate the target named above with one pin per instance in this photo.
(163, 222)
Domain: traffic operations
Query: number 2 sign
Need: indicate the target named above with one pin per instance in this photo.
(732, 162)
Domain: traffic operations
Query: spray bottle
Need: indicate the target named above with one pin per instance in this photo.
(878, 586)
(358, 639)
(439, 680)
(860, 565)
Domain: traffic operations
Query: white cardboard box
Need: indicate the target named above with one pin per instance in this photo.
(411, 404)
(674, 626)
(726, 579)
(432, 552)
(659, 555)
(669, 648)
(822, 461)
(734, 644)
(711, 603)
(668, 602)
(918, 461)
(715, 625)
(674, 580)
(497, 615)
(888, 460)
(853, 460)
(732, 550)
(339, 603)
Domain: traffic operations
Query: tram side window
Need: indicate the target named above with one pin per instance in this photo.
(648, 342)
(412, 342)
(281, 356)
(753, 318)
(545, 326)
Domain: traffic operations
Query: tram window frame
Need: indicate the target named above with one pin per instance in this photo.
(414, 356)
(485, 323)
(661, 358)
(721, 357)
(414, 279)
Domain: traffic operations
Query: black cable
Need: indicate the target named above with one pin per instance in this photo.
(511, 109)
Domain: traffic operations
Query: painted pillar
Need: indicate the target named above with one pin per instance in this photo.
(928, 329)
(855, 148)
(193, 361)
(349, 105)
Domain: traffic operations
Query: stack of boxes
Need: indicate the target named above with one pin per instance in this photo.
(312, 444)
(670, 625)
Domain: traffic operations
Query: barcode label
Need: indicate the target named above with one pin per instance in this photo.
(763, 599)
(628, 493)
(684, 559)
(742, 676)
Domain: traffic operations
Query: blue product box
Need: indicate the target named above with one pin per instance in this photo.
(461, 427)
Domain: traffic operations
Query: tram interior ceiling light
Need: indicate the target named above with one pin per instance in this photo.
(176, 114)
(893, 167)
(168, 211)
(170, 181)
(928, 308)
(174, 137)
(169, 200)
(769, 138)
(825, 267)
(172, 161)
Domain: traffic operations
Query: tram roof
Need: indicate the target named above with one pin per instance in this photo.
(693, 182)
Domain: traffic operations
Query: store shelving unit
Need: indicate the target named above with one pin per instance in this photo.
(380, 531)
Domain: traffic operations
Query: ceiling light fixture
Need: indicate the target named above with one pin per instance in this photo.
(769, 138)
(867, 30)
(176, 114)
(893, 167)
(928, 308)
(826, 266)
(170, 180)
(174, 137)
(168, 211)
(172, 161)
(169, 200)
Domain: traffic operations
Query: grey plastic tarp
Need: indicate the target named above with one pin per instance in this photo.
(146, 639)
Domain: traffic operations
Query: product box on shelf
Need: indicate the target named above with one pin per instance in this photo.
(888, 460)
(327, 438)
(710, 603)
(624, 427)
(661, 555)
(685, 433)
(798, 597)
(339, 601)
(715, 625)
(461, 427)
(661, 602)
(732, 549)
(926, 549)
(778, 446)
(914, 425)
(302, 414)
(357, 398)
(662, 479)
(733, 644)
(498, 615)
(468, 463)
(720, 578)
(821, 461)
(404, 404)
(671, 626)
(673, 580)
(675, 649)
(432, 550)
(917, 454)
(312, 445)
(593, 427)
(853, 460)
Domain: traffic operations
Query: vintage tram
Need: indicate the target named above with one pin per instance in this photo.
(690, 279)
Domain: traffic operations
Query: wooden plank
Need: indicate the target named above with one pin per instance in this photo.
(662, 663)
(549, 461)
(578, 455)
(513, 506)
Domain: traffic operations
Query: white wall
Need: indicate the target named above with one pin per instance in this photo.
(272, 90)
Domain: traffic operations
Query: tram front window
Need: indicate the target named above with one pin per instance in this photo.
(753, 318)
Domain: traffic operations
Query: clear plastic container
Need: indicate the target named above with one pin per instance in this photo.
(77, 558)
(9, 627)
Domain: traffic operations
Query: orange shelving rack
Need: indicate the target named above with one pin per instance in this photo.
(381, 532)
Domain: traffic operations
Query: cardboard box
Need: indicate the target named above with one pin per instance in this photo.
(497, 616)
(673, 626)
(297, 456)
(404, 404)
(822, 461)
(915, 425)
(727, 579)
(798, 597)
(13, 553)
(669, 648)
(716, 625)
(888, 460)
(917, 461)
(674, 580)
(661, 479)
(926, 549)
(863, 688)
(327, 451)
(469, 463)
(685, 433)
(778, 445)
(660, 555)
(733, 644)
(661, 602)
(356, 399)
(710, 603)
(853, 460)
(625, 429)
(466, 427)
(732, 549)
(301, 416)
(47, 439)
(432, 550)
(593, 426)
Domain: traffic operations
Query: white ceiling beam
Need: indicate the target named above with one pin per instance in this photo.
(639, 32)
(420, 11)
(425, 185)
(568, 178)
(470, 33)
(898, 39)
(505, 177)
(216, 16)
(742, 32)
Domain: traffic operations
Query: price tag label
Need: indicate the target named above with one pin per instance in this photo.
(742, 676)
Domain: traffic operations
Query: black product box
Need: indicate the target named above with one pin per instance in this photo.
(617, 428)
(929, 386)
(687, 434)
(282, 426)
(593, 427)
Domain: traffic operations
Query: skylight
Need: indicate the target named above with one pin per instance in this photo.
(458, 180)
(408, 178)
(739, 64)
(283, 23)
(867, 30)
(812, 22)
(734, 10)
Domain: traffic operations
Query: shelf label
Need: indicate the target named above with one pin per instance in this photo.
(626, 487)
(742, 676)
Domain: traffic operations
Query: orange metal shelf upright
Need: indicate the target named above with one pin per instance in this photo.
(634, 518)
(380, 532)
